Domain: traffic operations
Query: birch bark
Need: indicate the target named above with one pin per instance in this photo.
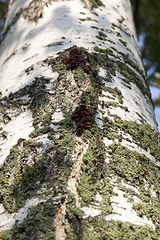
(55, 184)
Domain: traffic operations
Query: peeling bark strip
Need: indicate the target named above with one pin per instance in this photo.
(103, 184)
(60, 221)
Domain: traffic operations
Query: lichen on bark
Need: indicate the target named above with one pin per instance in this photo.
(55, 160)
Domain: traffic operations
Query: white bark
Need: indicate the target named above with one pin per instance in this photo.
(29, 43)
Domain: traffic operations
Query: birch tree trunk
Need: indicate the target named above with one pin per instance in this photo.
(80, 155)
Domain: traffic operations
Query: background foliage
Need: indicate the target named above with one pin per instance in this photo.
(147, 22)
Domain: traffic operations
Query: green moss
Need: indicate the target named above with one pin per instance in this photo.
(95, 14)
(150, 210)
(123, 42)
(54, 164)
(39, 131)
(25, 102)
(97, 228)
(102, 36)
(137, 169)
(142, 134)
(91, 180)
(21, 178)
(94, 27)
(121, 19)
(79, 76)
(85, 19)
(131, 76)
(132, 64)
(39, 221)
(118, 34)
(113, 25)
(74, 216)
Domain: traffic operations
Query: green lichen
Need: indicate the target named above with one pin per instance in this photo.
(131, 76)
(102, 36)
(95, 14)
(114, 104)
(39, 222)
(39, 131)
(26, 179)
(137, 169)
(127, 161)
(21, 177)
(96, 3)
(104, 52)
(97, 228)
(121, 19)
(91, 180)
(25, 102)
(94, 27)
(101, 56)
(53, 165)
(142, 134)
(123, 42)
(79, 76)
(85, 19)
(150, 210)
(113, 25)
(74, 215)
(118, 34)
(116, 92)
(135, 66)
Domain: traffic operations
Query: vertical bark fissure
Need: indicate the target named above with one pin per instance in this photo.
(59, 221)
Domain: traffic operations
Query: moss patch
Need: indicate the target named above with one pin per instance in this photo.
(123, 42)
(74, 215)
(121, 19)
(18, 179)
(97, 228)
(53, 165)
(39, 222)
(142, 134)
(102, 36)
(137, 169)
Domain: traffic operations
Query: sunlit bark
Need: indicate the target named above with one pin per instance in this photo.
(92, 185)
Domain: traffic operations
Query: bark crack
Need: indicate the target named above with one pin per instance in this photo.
(81, 148)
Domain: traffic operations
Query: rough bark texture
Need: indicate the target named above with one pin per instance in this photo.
(55, 183)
